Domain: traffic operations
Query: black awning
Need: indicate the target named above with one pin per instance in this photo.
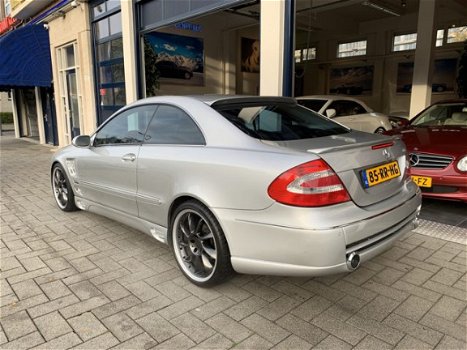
(25, 58)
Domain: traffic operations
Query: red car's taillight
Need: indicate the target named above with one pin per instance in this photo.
(313, 184)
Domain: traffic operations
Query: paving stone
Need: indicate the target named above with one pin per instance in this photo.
(195, 329)
(417, 276)
(311, 308)
(451, 343)
(23, 305)
(420, 264)
(447, 276)
(447, 327)
(180, 307)
(229, 327)
(360, 276)
(9, 263)
(216, 342)
(302, 329)
(141, 341)
(114, 307)
(26, 289)
(230, 291)
(292, 342)
(387, 291)
(262, 291)
(212, 308)
(416, 330)
(265, 328)
(414, 308)
(87, 326)
(417, 291)
(104, 341)
(149, 306)
(278, 308)
(28, 275)
(412, 343)
(245, 308)
(345, 308)
(332, 343)
(55, 290)
(387, 276)
(85, 290)
(52, 325)
(28, 341)
(159, 328)
(17, 325)
(355, 291)
(444, 289)
(292, 291)
(448, 308)
(142, 290)
(379, 308)
(254, 342)
(180, 342)
(331, 294)
(342, 330)
(83, 306)
(205, 294)
(122, 326)
(371, 343)
(172, 291)
(387, 334)
(66, 341)
(32, 264)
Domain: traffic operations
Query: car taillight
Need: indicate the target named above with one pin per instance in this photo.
(313, 184)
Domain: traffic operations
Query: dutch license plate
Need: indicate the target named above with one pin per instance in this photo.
(379, 174)
(422, 181)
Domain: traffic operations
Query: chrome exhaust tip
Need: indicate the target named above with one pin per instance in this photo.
(353, 261)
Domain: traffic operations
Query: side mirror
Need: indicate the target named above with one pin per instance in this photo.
(81, 141)
(330, 113)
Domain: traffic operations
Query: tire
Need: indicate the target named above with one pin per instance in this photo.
(380, 130)
(63, 193)
(199, 245)
(187, 75)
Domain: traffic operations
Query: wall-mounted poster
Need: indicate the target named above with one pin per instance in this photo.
(351, 81)
(250, 55)
(175, 59)
(444, 76)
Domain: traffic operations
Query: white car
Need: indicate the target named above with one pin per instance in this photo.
(348, 111)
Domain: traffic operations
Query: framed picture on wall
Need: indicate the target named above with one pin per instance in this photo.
(250, 55)
(172, 59)
(444, 76)
(351, 80)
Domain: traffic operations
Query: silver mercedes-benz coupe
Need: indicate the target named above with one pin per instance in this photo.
(256, 185)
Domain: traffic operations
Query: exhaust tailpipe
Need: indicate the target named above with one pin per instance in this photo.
(353, 261)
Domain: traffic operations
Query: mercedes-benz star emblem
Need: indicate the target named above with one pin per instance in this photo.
(387, 154)
(414, 159)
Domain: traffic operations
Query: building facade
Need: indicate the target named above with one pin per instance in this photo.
(108, 53)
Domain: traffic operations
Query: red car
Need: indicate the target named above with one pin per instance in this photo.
(436, 140)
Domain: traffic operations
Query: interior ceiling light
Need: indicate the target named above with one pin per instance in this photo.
(379, 7)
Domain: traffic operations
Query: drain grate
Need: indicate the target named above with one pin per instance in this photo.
(442, 231)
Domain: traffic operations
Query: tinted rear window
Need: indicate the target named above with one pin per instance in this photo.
(279, 121)
(314, 105)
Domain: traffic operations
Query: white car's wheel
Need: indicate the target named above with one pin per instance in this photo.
(63, 193)
(380, 130)
(199, 245)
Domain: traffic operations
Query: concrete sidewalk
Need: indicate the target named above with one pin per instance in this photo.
(79, 280)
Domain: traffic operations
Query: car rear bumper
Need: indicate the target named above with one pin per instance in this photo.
(305, 246)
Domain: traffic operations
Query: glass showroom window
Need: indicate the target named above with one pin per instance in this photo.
(439, 37)
(356, 48)
(71, 99)
(108, 46)
(404, 42)
(457, 34)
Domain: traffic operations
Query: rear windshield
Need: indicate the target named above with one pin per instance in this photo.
(314, 105)
(279, 121)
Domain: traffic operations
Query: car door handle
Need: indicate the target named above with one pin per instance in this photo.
(129, 157)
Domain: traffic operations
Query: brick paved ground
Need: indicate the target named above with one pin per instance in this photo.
(81, 281)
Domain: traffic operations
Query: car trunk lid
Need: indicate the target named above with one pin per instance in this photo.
(352, 154)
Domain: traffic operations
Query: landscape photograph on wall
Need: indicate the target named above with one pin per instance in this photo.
(351, 80)
(172, 58)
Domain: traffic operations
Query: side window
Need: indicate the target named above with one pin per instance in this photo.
(344, 108)
(172, 126)
(126, 128)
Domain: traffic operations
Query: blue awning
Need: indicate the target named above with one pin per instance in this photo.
(25, 58)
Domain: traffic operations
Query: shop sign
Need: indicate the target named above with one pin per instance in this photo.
(193, 27)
